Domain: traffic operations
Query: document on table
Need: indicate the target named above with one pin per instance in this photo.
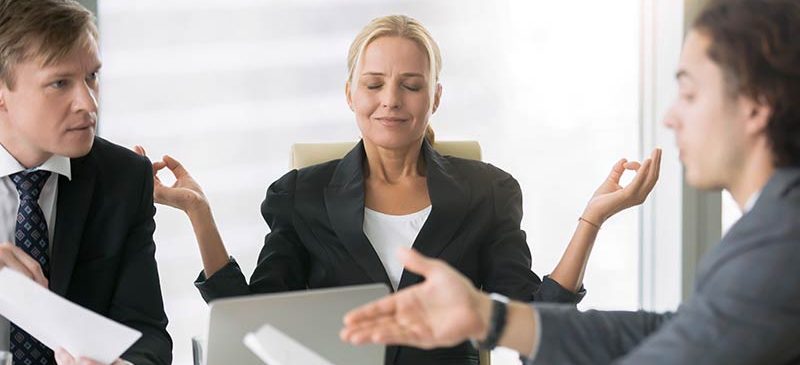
(57, 322)
(274, 347)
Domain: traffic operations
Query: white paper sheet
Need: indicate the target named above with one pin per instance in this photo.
(274, 347)
(57, 322)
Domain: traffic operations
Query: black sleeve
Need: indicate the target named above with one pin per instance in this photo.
(506, 259)
(137, 301)
(283, 261)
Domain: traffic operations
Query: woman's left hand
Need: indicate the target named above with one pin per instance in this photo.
(611, 198)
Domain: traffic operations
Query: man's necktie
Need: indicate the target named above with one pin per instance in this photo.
(31, 236)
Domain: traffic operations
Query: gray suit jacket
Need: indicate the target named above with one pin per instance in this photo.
(745, 308)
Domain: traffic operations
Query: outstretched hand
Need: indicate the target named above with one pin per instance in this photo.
(442, 311)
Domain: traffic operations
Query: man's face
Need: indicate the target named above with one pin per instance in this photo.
(709, 123)
(51, 109)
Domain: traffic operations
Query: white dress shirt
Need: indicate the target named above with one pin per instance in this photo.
(9, 205)
(387, 233)
(751, 202)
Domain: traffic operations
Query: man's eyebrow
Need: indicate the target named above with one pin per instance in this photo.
(61, 74)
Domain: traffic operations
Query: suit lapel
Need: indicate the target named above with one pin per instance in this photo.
(449, 196)
(344, 201)
(449, 200)
(72, 208)
(751, 224)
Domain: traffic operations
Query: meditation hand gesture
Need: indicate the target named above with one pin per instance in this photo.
(611, 198)
(185, 194)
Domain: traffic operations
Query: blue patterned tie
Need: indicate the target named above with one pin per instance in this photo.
(31, 237)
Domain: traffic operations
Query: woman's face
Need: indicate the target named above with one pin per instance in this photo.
(391, 93)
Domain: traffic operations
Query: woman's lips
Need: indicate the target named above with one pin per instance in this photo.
(391, 121)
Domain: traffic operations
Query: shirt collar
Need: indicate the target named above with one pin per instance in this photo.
(751, 201)
(58, 164)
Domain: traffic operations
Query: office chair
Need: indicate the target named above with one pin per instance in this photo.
(307, 154)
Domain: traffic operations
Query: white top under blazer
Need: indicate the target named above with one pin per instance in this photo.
(388, 233)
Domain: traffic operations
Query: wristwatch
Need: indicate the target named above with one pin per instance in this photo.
(497, 322)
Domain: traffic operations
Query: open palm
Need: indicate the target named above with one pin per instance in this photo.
(435, 313)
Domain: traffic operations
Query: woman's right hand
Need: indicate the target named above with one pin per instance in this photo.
(185, 194)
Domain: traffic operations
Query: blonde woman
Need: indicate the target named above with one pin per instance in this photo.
(340, 222)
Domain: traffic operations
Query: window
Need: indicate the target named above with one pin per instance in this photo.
(550, 91)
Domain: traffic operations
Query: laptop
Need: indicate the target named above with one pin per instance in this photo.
(310, 317)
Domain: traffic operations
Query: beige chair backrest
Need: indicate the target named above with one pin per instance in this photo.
(307, 154)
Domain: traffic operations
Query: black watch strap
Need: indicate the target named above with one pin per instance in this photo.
(497, 322)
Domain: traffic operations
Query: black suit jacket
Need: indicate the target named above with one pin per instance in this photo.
(316, 215)
(103, 251)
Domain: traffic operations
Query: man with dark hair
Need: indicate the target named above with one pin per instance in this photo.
(76, 211)
(737, 124)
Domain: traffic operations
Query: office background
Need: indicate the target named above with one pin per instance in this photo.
(555, 92)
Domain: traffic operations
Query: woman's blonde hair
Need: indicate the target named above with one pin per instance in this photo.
(397, 26)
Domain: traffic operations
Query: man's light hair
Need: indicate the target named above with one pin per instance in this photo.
(41, 29)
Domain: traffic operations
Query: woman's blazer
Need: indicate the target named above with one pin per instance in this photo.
(316, 217)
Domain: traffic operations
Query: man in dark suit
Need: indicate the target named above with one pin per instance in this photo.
(737, 124)
(76, 211)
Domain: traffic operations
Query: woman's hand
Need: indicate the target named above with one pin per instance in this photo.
(611, 198)
(185, 194)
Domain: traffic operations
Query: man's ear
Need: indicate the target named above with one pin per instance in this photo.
(348, 96)
(3, 92)
(757, 113)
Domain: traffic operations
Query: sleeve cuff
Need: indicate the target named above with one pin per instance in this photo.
(225, 270)
(531, 357)
(551, 291)
(551, 323)
(227, 282)
(538, 338)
